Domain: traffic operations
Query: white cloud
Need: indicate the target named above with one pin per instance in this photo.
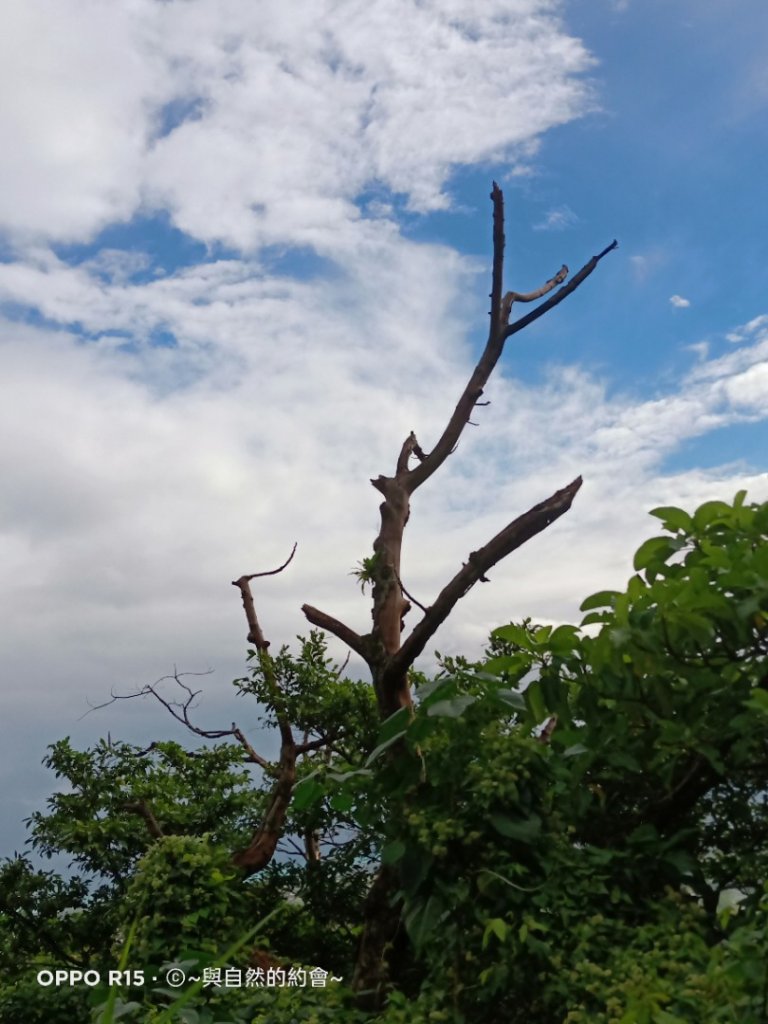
(143, 481)
(557, 219)
(679, 302)
(137, 484)
(256, 123)
(700, 348)
(645, 265)
(78, 81)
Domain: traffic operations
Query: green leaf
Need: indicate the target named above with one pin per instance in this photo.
(575, 750)
(168, 1014)
(663, 1017)
(673, 518)
(395, 725)
(525, 830)
(495, 926)
(710, 512)
(393, 852)
(513, 634)
(653, 551)
(512, 698)
(681, 861)
(643, 835)
(423, 919)
(428, 689)
(123, 1009)
(307, 792)
(109, 1008)
(602, 599)
(625, 760)
(376, 753)
(563, 640)
(601, 617)
(345, 777)
(758, 700)
(534, 698)
(342, 801)
(453, 708)
(415, 866)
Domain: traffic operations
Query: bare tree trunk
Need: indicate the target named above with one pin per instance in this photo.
(387, 655)
(390, 657)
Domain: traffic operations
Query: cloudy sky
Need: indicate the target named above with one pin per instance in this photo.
(244, 249)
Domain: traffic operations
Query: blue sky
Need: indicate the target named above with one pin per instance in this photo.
(244, 250)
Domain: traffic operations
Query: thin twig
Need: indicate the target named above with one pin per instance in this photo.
(272, 572)
(179, 710)
(410, 597)
(255, 634)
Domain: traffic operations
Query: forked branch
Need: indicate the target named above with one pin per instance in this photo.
(327, 622)
(255, 635)
(499, 331)
(513, 536)
(387, 656)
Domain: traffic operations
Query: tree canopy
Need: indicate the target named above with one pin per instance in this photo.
(574, 826)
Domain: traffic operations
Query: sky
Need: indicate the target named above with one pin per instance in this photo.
(245, 249)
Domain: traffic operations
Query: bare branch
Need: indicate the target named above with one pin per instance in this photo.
(559, 277)
(510, 297)
(255, 634)
(341, 667)
(500, 330)
(312, 846)
(331, 625)
(308, 745)
(271, 572)
(410, 597)
(263, 844)
(180, 711)
(507, 540)
(410, 447)
(497, 272)
(252, 756)
(559, 295)
(493, 349)
(294, 851)
(142, 808)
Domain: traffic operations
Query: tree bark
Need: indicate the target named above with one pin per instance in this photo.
(388, 656)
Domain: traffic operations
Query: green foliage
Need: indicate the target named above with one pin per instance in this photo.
(665, 970)
(565, 821)
(578, 878)
(312, 694)
(366, 570)
(95, 819)
(184, 897)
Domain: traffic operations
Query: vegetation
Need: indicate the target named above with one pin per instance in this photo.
(571, 829)
(575, 827)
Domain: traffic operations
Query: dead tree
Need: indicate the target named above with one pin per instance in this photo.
(265, 838)
(387, 654)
